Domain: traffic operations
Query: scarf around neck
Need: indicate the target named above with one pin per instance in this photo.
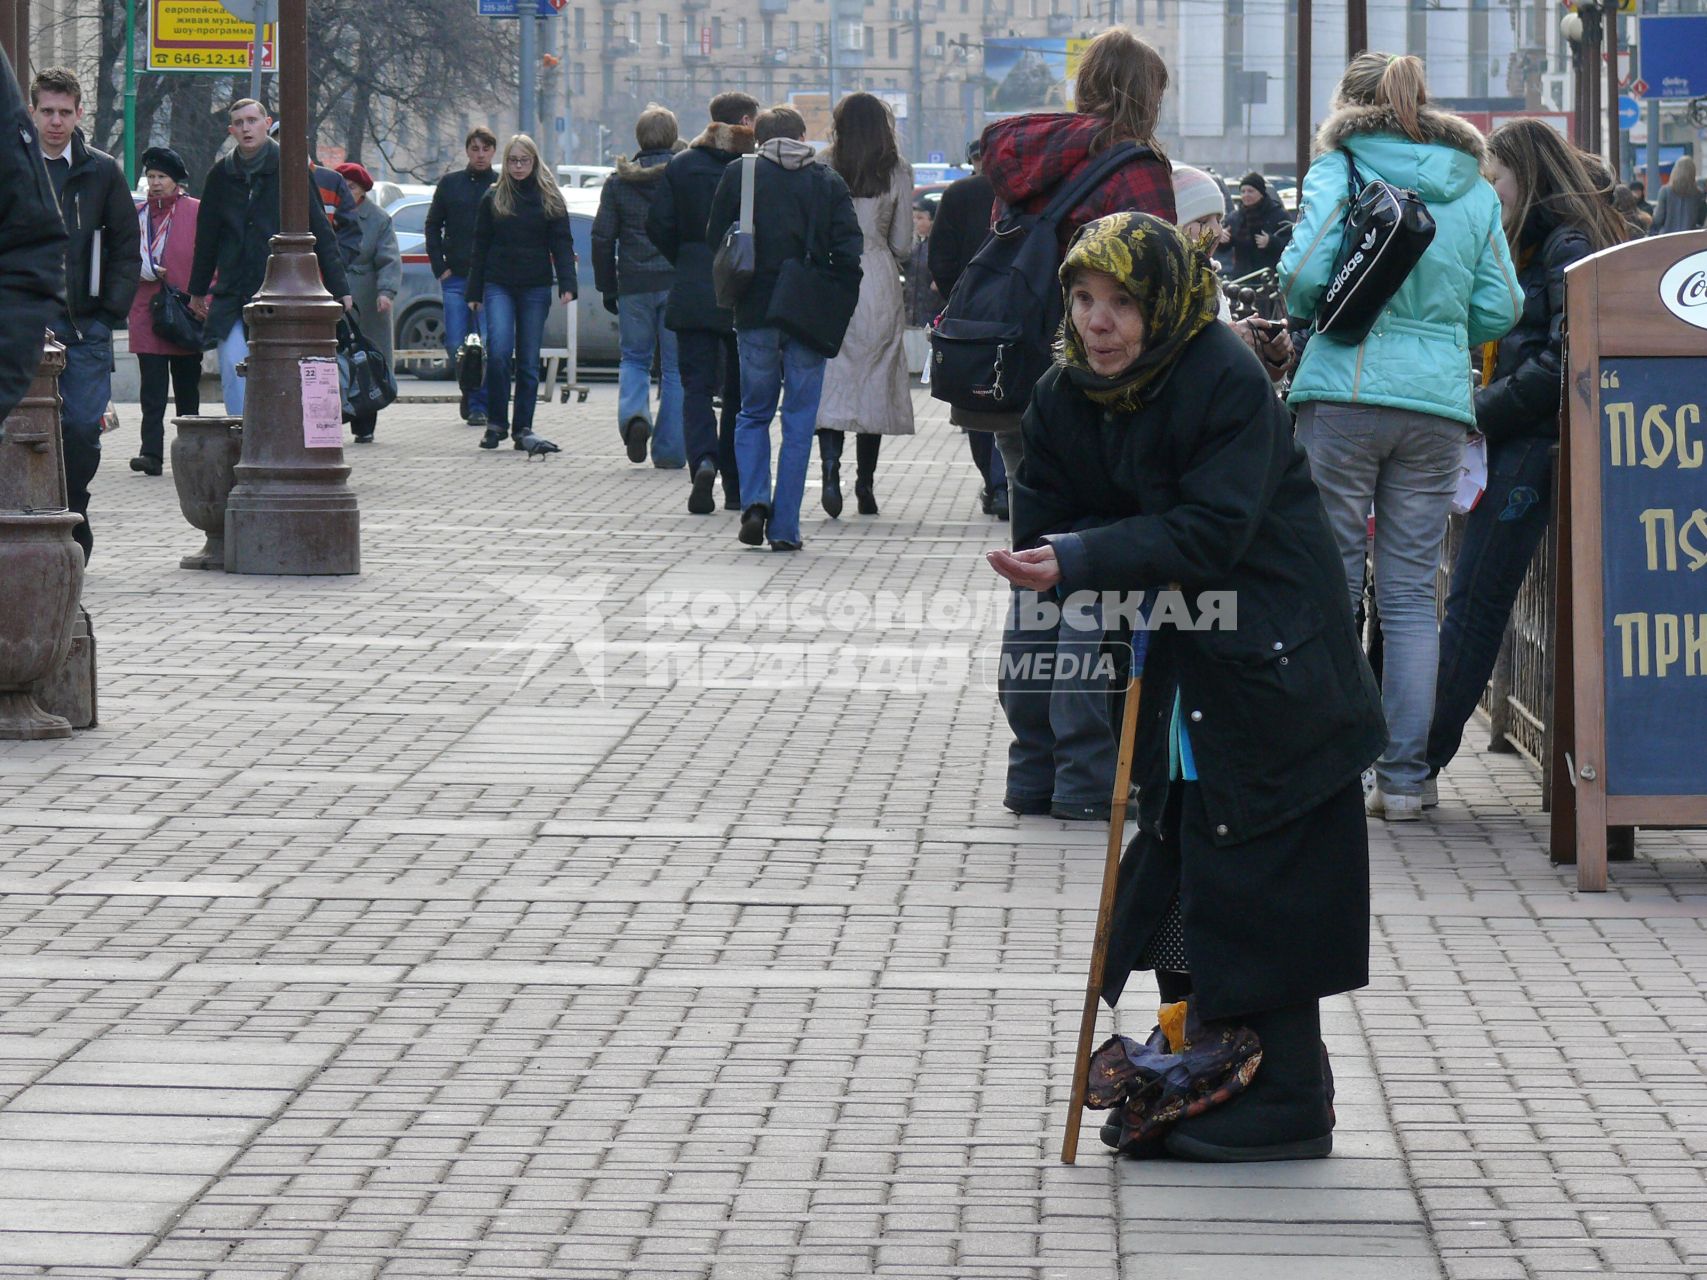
(1176, 288)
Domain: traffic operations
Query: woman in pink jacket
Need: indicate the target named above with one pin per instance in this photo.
(168, 221)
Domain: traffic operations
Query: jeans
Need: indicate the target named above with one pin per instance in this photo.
(1406, 465)
(640, 328)
(1500, 537)
(1064, 746)
(85, 390)
(184, 374)
(710, 362)
(1010, 447)
(459, 322)
(988, 459)
(774, 365)
(233, 350)
(515, 326)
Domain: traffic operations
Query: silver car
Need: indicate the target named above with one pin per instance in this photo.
(419, 309)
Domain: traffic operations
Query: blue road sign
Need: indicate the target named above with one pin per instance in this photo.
(1629, 112)
(1674, 56)
(513, 9)
(935, 157)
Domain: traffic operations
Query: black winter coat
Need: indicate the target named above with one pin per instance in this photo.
(1522, 398)
(32, 246)
(961, 227)
(624, 258)
(1243, 225)
(676, 224)
(235, 227)
(783, 198)
(520, 251)
(1204, 488)
(97, 199)
(450, 219)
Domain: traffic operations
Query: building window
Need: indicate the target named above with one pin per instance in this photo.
(740, 33)
(870, 41)
(717, 33)
(663, 28)
(794, 37)
(769, 34)
(894, 42)
(580, 29)
(580, 79)
(634, 28)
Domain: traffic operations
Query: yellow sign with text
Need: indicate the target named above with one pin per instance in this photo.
(199, 35)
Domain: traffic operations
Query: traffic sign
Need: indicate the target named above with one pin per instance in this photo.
(1629, 112)
(936, 157)
(1674, 56)
(201, 35)
(1639, 89)
(513, 8)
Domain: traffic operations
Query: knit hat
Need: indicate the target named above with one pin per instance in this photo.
(1254, 179)
(356, 175)
(167, 161)
(1196, 195)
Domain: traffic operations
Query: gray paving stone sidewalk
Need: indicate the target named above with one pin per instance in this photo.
(535, 904)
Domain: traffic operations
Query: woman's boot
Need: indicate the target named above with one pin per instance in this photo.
(830, 458)
(1286, 1113)
(867, 445)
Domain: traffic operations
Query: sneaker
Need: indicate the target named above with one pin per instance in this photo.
(753, 524)
(1382, 804)
(477, 419)
(700, 501)
(1431, 794)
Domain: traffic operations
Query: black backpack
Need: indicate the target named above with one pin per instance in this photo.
(996, 336)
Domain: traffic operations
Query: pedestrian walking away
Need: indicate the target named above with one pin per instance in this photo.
(32, 246)
(238, 219)
(707, 356)
(1681, 203)
(521, 245)
(865, 385)
(450, 248)
(962, 225)
(1157, 453)
(791, 193)
(1062, 759)
(167, 227)
(634, 278)
(102, 265)
(1385, 420)
(376, 275)
(1551, 219)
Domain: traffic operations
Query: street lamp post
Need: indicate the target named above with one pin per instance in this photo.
(292, 510)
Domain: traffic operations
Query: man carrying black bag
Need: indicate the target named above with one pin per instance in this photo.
(791, 316)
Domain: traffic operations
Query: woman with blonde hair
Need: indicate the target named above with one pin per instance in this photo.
(1554, 214)
(1680, 203)
(521, 237)
(1384, 420)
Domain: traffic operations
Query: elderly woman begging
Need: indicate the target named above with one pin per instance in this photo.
(1157, 457)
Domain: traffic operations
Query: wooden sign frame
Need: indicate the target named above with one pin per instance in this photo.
(1614, 311)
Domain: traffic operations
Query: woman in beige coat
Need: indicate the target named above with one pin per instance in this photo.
(865, 386)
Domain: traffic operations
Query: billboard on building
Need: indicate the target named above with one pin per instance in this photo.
(1023, 75)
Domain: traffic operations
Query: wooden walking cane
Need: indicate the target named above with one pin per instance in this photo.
(1105, 907)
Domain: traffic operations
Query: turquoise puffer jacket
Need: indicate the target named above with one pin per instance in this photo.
(1463, 293)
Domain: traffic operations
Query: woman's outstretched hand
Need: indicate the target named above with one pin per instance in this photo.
(1036, 569)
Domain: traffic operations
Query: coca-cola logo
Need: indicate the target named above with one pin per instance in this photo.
(1683, 290)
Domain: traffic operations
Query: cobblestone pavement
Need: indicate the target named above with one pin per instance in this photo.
(511, 910)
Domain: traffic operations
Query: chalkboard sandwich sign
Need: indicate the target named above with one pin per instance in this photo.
(1630, 673)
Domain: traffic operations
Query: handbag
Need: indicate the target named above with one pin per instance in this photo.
(471, 364)
(737, 257)
(366, 382)
(1387, 231)
(173, 321)
(812, 302)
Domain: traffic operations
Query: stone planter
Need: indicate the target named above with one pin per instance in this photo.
(204, 467)
(43, 572)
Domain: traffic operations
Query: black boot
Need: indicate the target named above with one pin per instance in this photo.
(999, 502)
(830, 458)
(492, 439)
(1285, 1114)
(1171, 988)
(753, 521)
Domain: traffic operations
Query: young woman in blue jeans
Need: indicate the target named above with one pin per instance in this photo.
(521, 237)
(1553, 216)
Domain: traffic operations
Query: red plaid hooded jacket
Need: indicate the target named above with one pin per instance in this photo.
(1027, 157)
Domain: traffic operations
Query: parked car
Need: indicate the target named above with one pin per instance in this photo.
(583, 175)
(419, 309)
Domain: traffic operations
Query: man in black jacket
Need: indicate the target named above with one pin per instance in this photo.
(103, 262)
(450, 243)
(789, 188)
(705, 332)
(635, 280)
(239, 217)
(32, 247)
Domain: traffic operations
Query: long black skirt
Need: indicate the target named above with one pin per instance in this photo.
(1278, 920)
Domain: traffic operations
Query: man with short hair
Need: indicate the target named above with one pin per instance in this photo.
(32, 246)
(240, 215)
(706, 352)
(450, 245)
(635, 279)
(788, 188)
(103, 263)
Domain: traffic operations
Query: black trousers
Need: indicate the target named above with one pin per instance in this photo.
(184, 373)
(707, 362)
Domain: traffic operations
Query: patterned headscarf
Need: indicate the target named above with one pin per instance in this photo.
(1176, 288)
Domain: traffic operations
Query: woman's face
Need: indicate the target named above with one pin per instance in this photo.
(1250, 197)
(159, 185)
(1199, 227)
(1505, 183)
(1108, 320)
(358, 191)
(518, 163)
